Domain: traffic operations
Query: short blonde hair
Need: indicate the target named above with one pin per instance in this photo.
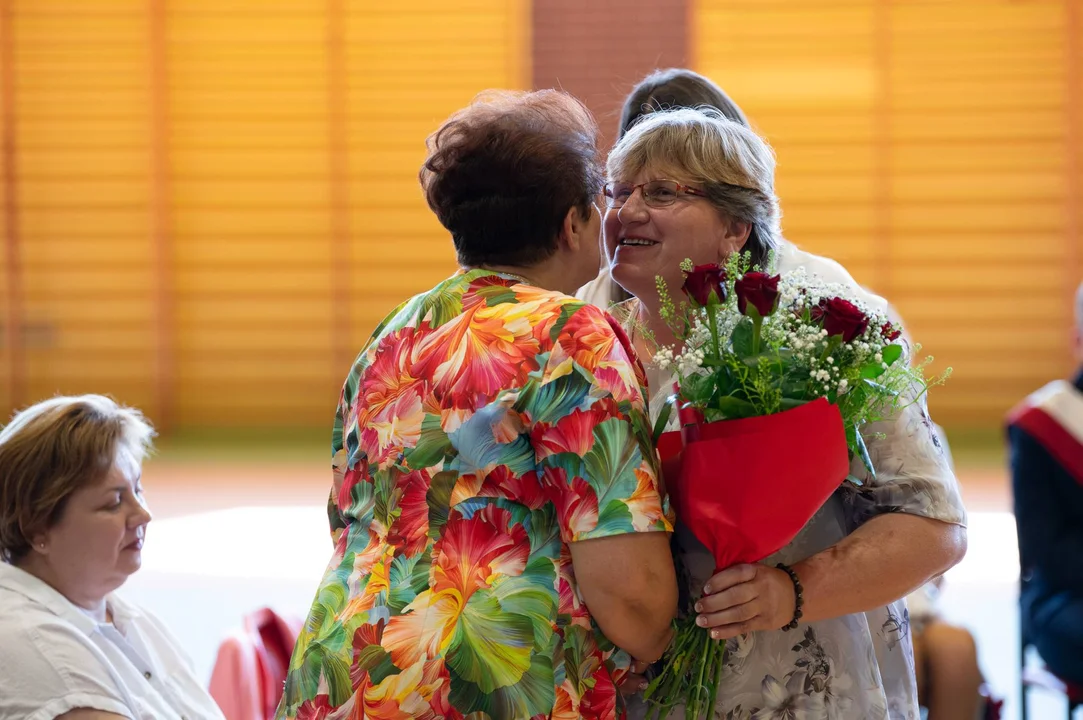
(733, 164)
(53, 448)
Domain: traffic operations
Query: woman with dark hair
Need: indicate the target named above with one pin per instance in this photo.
(501, 537)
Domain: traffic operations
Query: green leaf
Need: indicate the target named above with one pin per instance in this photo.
(663, 417)
(490, 648)
(773, 366)
(555, 399)
(742, 338)
(330, 658)
(734, 408)
(497, 294)
(439, 501)
(530, 595)
(401, 579)
(611, 461)
(891, 353)
(863, 453)
(377, 663)
(432, 446)
(566, 311)
(532, 696)
(791, 403)
(613, 519)
(697, 389)
(441, 306)
(872, 370)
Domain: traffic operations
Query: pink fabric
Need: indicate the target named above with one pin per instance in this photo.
(250, 669)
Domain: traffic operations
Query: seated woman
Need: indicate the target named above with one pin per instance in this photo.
(72, 525)
(501, 532)
(693, 184)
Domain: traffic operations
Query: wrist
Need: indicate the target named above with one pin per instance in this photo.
(798, 596)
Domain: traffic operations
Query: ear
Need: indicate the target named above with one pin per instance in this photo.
(735, 236)
(574, 230)
(39, 544)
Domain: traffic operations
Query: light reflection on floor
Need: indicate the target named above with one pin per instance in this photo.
(202, 572)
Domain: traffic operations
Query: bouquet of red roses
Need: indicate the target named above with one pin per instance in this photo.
(775, 375)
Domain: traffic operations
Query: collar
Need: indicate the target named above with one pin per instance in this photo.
(39, 592)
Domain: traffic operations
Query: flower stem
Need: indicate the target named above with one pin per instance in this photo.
(712, 322)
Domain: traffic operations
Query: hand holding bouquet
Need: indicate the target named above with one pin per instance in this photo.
(776, 376)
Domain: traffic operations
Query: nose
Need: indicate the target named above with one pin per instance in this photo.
(634, 209)
(141, 516)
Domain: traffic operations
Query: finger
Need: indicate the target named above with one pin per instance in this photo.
(729, 577)
(733, 616)
(728, 632)
(736, 595)
(633, 683)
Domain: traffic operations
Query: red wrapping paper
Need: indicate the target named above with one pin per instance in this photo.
(745, 488)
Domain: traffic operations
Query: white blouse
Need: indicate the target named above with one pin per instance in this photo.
(54, 658)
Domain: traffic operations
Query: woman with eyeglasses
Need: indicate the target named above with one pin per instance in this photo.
(694, 184)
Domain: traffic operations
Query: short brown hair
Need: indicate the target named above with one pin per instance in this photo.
(503, 172)
(53, 448)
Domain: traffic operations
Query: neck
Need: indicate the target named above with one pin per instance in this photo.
(648, 316)
(548, 274)
(90, 603)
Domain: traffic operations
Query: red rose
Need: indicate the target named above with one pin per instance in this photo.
(889, 332)
(757, 288)
(841, 317)
(703, 281)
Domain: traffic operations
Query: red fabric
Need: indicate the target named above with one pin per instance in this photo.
(1064, 448)
(250, 670)
(746, 487)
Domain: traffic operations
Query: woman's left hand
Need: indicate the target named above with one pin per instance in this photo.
(744, 598)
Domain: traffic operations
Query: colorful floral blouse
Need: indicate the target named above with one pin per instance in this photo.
(486, 425)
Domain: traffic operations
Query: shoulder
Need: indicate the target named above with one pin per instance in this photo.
(790, 257)
(598, 291)
(50, 666)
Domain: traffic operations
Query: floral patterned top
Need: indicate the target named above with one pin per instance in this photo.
(854, 667)
(486, 425)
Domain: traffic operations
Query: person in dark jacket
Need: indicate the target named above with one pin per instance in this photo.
(1045, 435)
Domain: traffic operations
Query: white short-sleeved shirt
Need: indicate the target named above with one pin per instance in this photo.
(54, 658)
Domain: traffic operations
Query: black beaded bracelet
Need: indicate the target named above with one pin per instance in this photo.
(798, 594)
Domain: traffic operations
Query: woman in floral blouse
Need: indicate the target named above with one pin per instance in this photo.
(501, 541)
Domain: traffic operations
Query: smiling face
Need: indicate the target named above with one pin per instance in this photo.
(644, 242)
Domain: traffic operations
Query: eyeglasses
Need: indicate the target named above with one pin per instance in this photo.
(656, 193)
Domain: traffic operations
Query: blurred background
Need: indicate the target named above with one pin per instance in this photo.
(206, 206)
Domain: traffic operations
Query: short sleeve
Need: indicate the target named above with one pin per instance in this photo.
(913, 471)
(588, 422)
(48, 670)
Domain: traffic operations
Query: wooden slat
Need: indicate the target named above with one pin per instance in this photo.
(936, 138)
